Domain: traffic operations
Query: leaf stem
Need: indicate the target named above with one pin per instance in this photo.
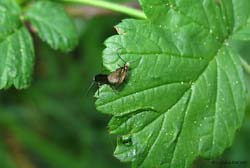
(111, 6)
(245, 65)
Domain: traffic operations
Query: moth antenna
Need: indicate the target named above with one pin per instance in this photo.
(121, 58)
(91, 85)
(125, 62)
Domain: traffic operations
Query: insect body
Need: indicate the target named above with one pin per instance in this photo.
(119, 75)
(115, 78)
(101, 79)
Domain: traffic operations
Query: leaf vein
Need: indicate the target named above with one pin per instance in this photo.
(181, 128)
(215, 109)
(143, 90)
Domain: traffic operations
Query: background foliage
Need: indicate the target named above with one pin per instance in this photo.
(54, 123)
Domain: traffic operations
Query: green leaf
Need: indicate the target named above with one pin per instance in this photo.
(9, 19)
(185, 93)
(53, 25)
(17, 53)
(243, 33)
(242, 21)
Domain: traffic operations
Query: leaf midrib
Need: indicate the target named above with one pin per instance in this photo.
(187, 104)
(16, 29)
(223, 44)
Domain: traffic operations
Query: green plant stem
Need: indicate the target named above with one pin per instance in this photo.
(245, 65)
(111, 6)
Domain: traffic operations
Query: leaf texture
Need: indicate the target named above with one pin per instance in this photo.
(185, 94)
(17, 51)
(53, 25)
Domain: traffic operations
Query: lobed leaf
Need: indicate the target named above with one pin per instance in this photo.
(185, 92)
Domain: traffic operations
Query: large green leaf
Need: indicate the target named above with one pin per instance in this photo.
(17, 53)
(53, 25)
(185, 92)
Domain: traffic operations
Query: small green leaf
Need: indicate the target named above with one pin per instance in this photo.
(17, 51)
(185, 93)
(9, 19)
(53, 25)
(17, 59)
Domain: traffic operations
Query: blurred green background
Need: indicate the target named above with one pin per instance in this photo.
(54, 124)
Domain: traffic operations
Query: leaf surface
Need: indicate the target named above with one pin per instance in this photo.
(53, 25)
(17, 51)
(185, 94)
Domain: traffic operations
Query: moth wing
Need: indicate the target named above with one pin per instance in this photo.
(123, 75)
(114, 77)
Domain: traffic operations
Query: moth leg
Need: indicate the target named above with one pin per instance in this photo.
(99, 85)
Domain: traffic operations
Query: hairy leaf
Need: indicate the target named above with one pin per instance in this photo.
(185, 94)
(53, 25)
(17, 53)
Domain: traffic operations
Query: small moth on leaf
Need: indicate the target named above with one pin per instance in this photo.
(118, 76)
(115, 78)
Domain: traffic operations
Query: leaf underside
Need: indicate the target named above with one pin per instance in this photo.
(184, 96)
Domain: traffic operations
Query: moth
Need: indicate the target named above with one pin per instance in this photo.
(115, 78)
(118, 76)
